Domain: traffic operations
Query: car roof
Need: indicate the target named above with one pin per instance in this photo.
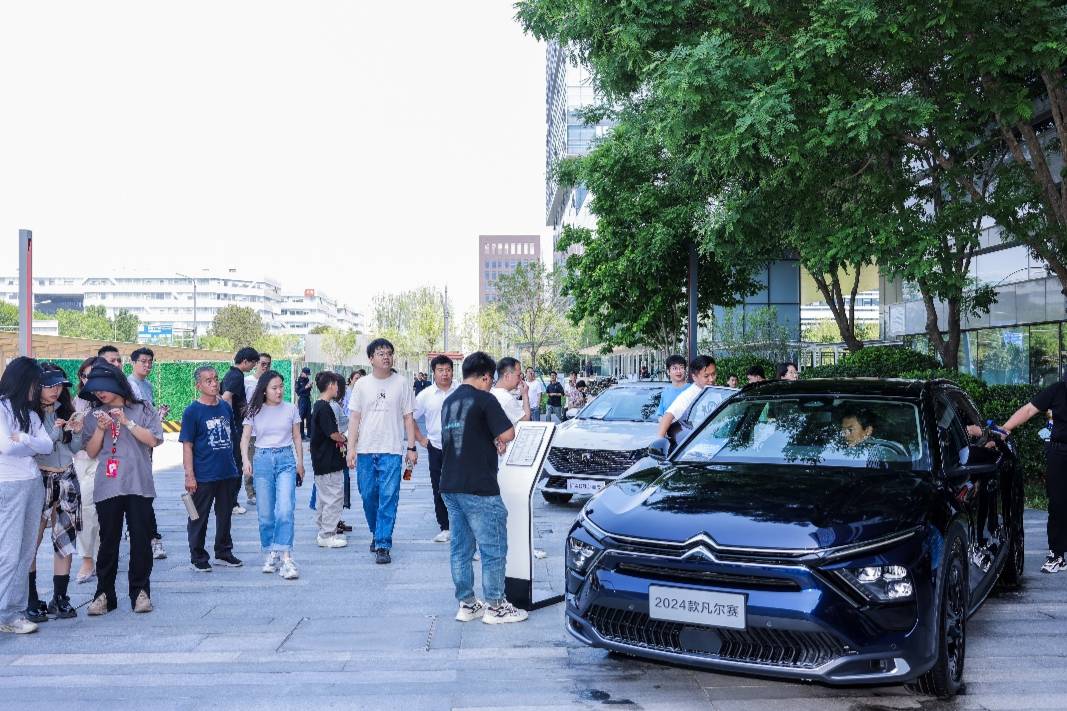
(881, 387)
(640, 384)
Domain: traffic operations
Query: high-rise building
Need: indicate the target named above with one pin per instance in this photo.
(165, 303)
(568, 90)
(500, 254)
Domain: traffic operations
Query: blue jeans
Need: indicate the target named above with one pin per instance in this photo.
(378, 479)
(275, 481)
(482, 521)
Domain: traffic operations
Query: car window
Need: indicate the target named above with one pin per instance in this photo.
(624, 404)
(951, 432)
(813, 430)
(709, 399)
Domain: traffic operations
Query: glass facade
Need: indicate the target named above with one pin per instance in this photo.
(1009, 356)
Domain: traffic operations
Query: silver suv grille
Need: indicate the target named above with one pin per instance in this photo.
(593, 462)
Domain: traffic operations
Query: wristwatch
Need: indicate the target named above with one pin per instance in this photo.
(130, 425)
(412, 449)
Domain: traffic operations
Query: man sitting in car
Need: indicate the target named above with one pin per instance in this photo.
(857, 430)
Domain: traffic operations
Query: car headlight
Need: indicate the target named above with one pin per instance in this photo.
(882, 583)
(580, 553)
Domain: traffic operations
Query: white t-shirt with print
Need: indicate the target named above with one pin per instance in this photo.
(381, 404)
(272, 426)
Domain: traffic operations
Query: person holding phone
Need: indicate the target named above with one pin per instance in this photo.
(277, 469)
(121, 434)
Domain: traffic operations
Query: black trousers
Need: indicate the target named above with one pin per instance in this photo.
(436, 458)
(304, 408)
(221, 495)
(239, 460)
(1056, 488)
(137, 511)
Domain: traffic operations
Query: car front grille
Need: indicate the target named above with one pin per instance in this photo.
(708, 577)
(780, 648)
(592, 462)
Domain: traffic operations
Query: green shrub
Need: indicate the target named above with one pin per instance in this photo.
(889, 361)
(738, 365)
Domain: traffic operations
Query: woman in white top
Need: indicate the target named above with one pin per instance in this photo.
(89, 533)
(21, 495)
(278, 465)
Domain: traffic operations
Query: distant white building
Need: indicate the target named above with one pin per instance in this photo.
(164, 304)
(867, 310)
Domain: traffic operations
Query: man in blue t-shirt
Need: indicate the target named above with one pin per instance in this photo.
(676, 372)
(210, 469)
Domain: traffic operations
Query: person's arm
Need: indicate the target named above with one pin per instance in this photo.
(524, 393)
(140, 433)
(665, 423)
(298, 452)
(95, 442)
(353, 437)
(187, 464)
(411, 457)
(1021, 416)
(246, 441)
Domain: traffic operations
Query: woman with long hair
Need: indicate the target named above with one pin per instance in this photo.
(62, 497)
(278, 466)
(22, 437)
(85, 466)
(122, 434)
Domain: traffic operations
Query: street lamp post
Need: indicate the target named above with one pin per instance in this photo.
(193, 281)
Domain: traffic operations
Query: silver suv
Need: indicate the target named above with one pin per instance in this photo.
(610, 435)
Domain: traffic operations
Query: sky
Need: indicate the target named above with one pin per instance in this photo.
(350, 146)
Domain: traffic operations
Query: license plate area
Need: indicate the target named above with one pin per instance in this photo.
(697, 607)
(584, 486)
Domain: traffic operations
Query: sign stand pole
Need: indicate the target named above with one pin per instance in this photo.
(26, 292)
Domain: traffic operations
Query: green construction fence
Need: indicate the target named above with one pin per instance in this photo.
(173, 381)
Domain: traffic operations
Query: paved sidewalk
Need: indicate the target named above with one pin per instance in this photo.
(352, 634)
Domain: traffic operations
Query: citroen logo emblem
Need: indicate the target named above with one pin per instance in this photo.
(587, 457)
(700, 552)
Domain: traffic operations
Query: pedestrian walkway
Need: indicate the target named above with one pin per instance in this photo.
(352, 634)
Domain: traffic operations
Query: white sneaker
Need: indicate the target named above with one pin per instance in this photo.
(469, 612)
(158, 551)
(238, 509)
(270, 565)
(443, 537)
(289, 571)
(503, 613)
(331, 541)
(19, 626)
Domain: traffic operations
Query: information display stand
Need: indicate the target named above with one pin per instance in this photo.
(517, 477)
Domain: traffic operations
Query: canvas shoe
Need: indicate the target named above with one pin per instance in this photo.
(470, 611)
(289, 570)
(19, 626)
(270, 564)
(503, 613)
(443, 537)
(201, 566)
(228, 560)
(1054, 563)
(331, 541)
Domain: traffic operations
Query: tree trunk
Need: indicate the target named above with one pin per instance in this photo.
(946, 344)
(844, 314)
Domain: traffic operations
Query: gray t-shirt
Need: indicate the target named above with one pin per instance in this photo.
(273, 425)
(143, 390)
(134, 459)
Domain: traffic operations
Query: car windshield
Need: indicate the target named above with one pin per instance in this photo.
(624, 404)
(813, 430)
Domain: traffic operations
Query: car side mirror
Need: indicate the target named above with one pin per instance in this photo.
(659, 449)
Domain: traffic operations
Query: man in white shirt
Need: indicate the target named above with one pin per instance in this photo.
(381, 418)
(428, 404)
(702, 371)
(536, 389)
(508, 379)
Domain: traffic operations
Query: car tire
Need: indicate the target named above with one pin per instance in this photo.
(945, 678)
(559, 499)
(1011, 578)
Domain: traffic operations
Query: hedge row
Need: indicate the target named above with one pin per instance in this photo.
(173, 382)
(995, 402)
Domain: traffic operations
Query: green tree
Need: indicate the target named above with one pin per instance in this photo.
(240, 326)
(125, 326)
(279, 346)
(532, 308)
(827, 331)
(339, 345)
(413, 321)
(92, 322)
(483, 330)
(215, 343)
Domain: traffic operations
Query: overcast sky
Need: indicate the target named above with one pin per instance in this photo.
(356, 147)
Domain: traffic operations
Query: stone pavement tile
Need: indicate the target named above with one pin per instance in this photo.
(243, 641)
(121, 659)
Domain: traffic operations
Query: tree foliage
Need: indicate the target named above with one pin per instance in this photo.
(532, 308)
(239, 326)
(483, 330)
(414, 321)
(835, 128)
(93, 322)
(828, 331)
(339, 344)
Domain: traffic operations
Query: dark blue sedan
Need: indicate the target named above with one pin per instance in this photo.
(840, 531)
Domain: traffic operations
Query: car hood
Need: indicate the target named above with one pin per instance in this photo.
(762, 506)
(601, 434)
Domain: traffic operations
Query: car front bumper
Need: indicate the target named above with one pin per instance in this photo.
(800, 623)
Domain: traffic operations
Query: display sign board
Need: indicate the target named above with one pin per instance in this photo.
(519, 469)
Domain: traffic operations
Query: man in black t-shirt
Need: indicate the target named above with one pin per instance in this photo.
(233, 392)
(474, 432)
(1053, 398)
(555, 393)
(327, 462)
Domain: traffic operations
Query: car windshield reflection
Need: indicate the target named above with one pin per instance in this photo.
(624, 405)
(813, 431)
